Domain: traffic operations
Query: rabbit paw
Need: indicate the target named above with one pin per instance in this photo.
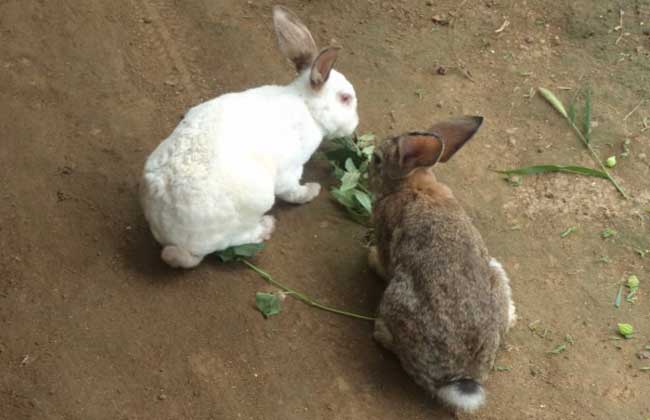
(268, 226)
(302, 194)
(375, 263)
(383, 335)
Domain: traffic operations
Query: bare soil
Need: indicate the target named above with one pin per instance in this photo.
(94, 326)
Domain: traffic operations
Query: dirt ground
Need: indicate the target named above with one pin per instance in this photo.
(93, 326)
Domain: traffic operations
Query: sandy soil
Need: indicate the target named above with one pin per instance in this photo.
(93, 326)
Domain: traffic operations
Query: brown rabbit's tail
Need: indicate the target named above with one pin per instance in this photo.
(462, 394)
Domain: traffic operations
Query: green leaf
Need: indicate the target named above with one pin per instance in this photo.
(587, 122)
(499, 368)
(568, 232)
(631, 298)
(368, 151)
(236, 253)
(541, 169)
(350, 180)
(349, 166)
(619, 297)
(366, 138)
(607, 233)
(626, 330)
(364, 200)
(632, 282)
(344, 197)
(558, 349)
(267, 303)
(571, 112)
(554, 101)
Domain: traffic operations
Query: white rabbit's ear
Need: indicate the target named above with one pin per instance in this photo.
(294, 39)
(320, 70)
(455, 133)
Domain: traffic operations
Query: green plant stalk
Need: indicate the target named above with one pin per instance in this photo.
(266, 276)
(597, 158)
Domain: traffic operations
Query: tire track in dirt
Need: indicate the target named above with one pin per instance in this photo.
(169, 45)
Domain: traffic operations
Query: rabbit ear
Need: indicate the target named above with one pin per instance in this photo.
(455, 133)
(294, 39)
(320, 70)
(418, 150)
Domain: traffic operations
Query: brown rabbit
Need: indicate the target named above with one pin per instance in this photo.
(447, 304)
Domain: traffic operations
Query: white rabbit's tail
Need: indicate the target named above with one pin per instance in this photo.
(463, 394)
(176, 256)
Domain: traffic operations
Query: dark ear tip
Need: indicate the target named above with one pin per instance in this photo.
(477, 119)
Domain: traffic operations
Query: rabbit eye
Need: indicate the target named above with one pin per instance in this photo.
(345, 98)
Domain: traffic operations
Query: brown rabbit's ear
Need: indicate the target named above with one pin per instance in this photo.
(455, 133)
(294, 39)
(320, 70)
(418, 150)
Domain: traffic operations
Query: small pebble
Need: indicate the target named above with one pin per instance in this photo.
(643, 354)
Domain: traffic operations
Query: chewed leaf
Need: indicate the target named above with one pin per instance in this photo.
(235, 253)
(267, 303)
(541, 169)
(554, 101)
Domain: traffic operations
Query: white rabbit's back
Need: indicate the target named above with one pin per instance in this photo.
(202, 186)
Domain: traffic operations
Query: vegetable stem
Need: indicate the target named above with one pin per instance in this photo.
(597, 158)
(266, 276)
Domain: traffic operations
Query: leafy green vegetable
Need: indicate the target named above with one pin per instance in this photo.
(541, 169)
(350, 157)
(267, 303)
(239, 252)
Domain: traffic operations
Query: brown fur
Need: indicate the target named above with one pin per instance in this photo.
(445, 308)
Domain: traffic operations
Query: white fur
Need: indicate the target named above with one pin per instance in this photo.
(208, 185)
(453, 397)
(503, 277)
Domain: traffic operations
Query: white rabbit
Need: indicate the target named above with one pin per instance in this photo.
(208, 185)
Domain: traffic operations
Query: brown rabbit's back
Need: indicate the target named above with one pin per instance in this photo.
(440, 306)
